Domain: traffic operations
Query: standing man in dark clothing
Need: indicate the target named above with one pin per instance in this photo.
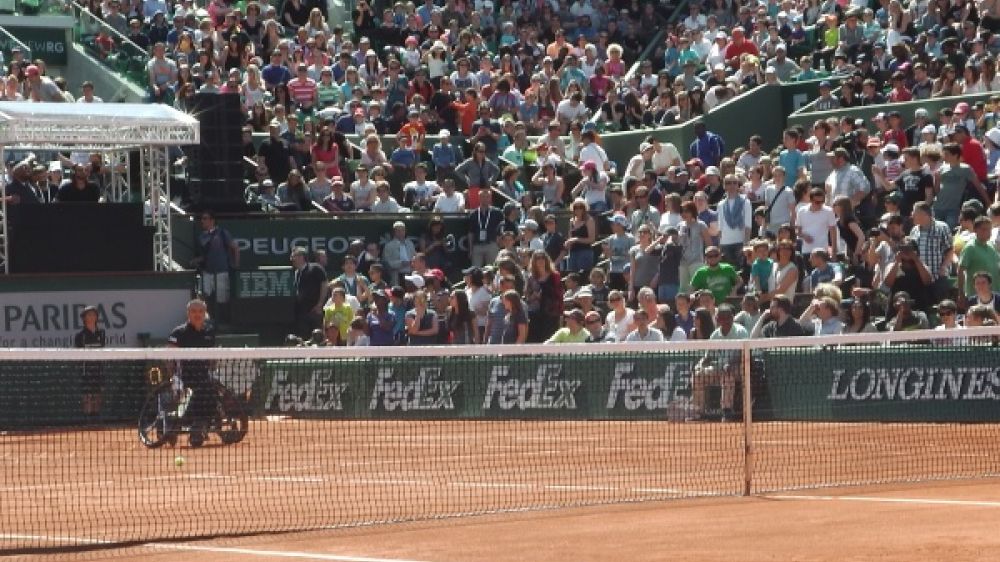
(92, 379)
(79, 188)
(484, 225)
(218, 256)
(276, 154)
(310, 293)
(17, 191)
(197, 332)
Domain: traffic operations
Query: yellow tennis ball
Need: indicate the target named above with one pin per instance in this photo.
(178, 461)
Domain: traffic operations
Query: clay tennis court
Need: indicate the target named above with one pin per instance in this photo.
(348, 480)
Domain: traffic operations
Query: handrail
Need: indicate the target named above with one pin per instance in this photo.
(14, 41)
(122, 39)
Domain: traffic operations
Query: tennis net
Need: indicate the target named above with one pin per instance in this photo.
(97, 446)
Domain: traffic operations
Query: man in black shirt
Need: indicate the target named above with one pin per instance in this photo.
(310, 293)
(79, 188)
(196, 332)
(915, 184)
(17, 191)
(276, 154)
(778, 322)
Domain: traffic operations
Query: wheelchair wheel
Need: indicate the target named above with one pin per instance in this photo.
(154, 422)
(233, 418)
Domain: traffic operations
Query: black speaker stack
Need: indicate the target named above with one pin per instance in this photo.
(215, 166)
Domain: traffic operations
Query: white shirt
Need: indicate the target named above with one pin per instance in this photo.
(479, 302)
(679, 334)
(593, 153)
(652, 335)
(696, 22)
(453, 204)
(816, 224)
(730, 234)
(668, 220)
(666, 156)
(621, 328)
(566, 110)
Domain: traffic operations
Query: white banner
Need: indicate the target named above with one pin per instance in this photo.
(52, 318)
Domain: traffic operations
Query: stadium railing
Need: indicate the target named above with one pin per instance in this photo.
(125, 57)
(340, 437)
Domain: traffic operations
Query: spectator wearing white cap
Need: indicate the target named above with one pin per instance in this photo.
(445, 155)
(616, 250)
(928, 138)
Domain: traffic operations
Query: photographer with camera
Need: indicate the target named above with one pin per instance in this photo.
(908, 274)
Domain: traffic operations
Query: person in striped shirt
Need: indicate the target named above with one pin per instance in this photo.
(302, 89)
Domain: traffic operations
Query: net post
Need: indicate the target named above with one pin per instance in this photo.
(747, 422)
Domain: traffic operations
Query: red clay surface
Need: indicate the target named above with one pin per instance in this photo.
(80, 488)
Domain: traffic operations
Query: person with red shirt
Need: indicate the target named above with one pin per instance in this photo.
(972, 151)
(738, 47)
(899, 93)
(302, 88)
(895, 134)
(414, 130)
(468, 111)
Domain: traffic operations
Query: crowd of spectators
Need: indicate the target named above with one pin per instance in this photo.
(849, 226)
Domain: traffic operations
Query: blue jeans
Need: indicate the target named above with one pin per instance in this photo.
(948, 216)
(666, 292)
(581, 260)
(732, 254)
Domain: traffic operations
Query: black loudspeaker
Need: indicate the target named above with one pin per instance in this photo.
(215, 166)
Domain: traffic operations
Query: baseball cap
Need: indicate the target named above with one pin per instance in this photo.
(894, 196)
(695, 162)
(644, 147)
(928, 130)
(416, 279)
(530, 224)
(920, 113)
(712, 171)
(891, 147)
(620, 220)
(575, 314)
(444, 133)
(874, 142)
(825, 84)
(32, 70)
(584, 293)
(398, 224)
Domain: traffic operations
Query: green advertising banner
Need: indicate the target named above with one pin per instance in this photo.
(647, 386)
(48, 44)
(892, 384)
(269, 241)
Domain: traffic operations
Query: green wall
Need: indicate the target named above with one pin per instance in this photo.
(906, 109)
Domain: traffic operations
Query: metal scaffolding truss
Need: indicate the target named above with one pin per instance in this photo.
(155, 192)
(113, 129)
